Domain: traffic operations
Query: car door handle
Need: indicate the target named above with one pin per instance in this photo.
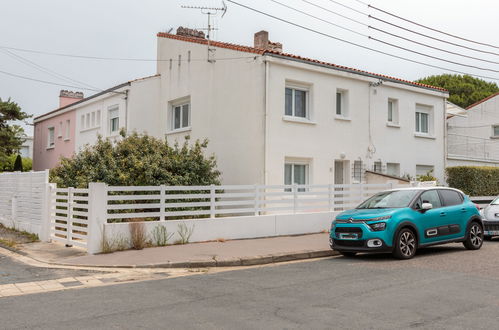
(463, 210)
(442, 214)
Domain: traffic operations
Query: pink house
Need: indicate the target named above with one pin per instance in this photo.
(54, 133)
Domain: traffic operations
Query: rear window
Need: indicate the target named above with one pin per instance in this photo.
(450, 197)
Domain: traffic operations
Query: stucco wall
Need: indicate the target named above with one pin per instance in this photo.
(45, 157)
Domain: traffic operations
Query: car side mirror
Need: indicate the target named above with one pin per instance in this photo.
(426, 206)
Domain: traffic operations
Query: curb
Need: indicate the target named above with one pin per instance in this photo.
(234, 262)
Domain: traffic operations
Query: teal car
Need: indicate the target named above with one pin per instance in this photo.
(400, 221)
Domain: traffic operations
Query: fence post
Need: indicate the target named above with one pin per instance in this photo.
(212, 201)
(295, 198)
(47, 204)
(69, 220)
(97, 216)
(162, 202)
(257, 200)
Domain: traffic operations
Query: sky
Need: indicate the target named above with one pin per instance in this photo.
(128, 28)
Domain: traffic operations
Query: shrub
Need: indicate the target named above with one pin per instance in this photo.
(138, 236)
(161, 236)
(474, 180)
(185, 233)
(138, 160)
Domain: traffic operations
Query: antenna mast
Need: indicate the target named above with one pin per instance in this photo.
(210, 11)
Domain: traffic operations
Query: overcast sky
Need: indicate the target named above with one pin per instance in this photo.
(127, 29)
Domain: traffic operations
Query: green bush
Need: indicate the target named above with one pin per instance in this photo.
(474, 180)
(8, 164)
(138, 160)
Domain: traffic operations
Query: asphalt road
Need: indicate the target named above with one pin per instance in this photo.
(12, 271)
(443, 287)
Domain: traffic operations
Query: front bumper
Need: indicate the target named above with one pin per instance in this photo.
(344, 245)
(354, 237)
(491, 228)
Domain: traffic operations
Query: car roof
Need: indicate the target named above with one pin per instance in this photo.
(427, 188)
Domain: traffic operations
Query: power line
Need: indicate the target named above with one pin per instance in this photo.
(348, 7)
(430, 28)
(335, 13)
(431, 56)
(354, 44)
(320, 19)
(45, 70)
(431, 37)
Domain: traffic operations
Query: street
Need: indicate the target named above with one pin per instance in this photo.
(443, 287)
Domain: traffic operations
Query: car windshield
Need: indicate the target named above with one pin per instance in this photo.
(495, 201)
(389, 199)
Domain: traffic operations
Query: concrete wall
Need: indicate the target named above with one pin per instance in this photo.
(234, 227)
(45, 157)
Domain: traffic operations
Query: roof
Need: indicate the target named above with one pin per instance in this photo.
(454, 110)
(483, 100)
(260, 51)
(109, 90)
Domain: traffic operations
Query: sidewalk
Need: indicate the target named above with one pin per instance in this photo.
(211, 254)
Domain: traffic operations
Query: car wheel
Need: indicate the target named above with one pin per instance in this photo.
(348, 254)
(405, 244)
(474, 237)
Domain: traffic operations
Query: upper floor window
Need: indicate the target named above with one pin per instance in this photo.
(495, 131)
(68, 129)
(60, 129)
(51, 137)
(181, 116)
(114, 119)
(341, 103)
(393, 116)
(296, 102)
(424, 117)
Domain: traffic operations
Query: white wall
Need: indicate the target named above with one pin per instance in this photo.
(470, 138)
(325, 138)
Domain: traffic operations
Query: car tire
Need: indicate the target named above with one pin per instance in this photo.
(405, 244)
(474, 236)
(348, 254)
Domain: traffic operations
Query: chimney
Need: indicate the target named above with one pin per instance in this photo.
(69, 97)
(262, 41)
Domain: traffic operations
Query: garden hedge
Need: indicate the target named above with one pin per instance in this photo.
(474, 180)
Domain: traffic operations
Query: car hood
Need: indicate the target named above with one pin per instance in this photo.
(363, 214)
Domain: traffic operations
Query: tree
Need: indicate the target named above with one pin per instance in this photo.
(11, 136)
(463, 90)
(18, 164)
(138, 160)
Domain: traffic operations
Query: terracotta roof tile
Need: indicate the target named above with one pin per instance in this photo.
(260, 51)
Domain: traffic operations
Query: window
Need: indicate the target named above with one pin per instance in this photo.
(88, 121)
(180, 116)
(424, 169)
(357, 170)
(341, 103)
(295, 174)
(60, 129)
(451, 197)
(114, 119)
(93, 119)
(393, 111)
(296, 102)
(431, 196)
(51, 137)
(423, 119)
(82, 124)
(377, 167)
(393, 169)
(97, 118)
(495, 131)
(68, 126)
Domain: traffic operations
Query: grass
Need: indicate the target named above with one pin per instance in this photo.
(8, 243)
(16, 236)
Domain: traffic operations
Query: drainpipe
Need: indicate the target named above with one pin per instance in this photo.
(266, 127)
(445, 138)
(126, 110)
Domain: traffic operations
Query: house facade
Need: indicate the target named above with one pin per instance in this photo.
(276, 118)
(473, 139)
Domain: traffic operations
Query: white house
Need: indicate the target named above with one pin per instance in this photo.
(26, 150)
(273, 117)
(473, 139)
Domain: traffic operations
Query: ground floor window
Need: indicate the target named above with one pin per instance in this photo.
(357, 171)
(424, 169)
(295, 173)
(393, 169)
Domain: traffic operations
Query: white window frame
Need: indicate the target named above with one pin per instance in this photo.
(294, 163)
(392, 118)
(68, 129)
(59, 135)
(377, 164)
(51, 137)
(82, 124)
(494, 128)
(357, 170)
(294, 88)
(343, 95)
(181, 105)
(110, 110)
(428, 111)
(393, 165)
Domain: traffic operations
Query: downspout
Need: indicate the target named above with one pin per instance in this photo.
(445, 139)
(126, 111)
(266, 124)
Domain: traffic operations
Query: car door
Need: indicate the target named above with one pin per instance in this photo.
(456, 212)
(431, 222)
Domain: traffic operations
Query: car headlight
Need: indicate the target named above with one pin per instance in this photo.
(386, 217)
(378, 226)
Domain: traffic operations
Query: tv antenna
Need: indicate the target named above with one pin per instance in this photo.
(209, 12)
